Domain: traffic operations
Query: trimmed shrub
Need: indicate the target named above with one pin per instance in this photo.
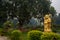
(34, 35)
(50, 36)
(57, 36)
(16, 35)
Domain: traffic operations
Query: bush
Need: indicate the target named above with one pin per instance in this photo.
(8, 24)
(34, 35)
(2, 33)
(50, 36)
(57, 36)
(16, 35)
(9, 32)
(6, 27)
(1, 30)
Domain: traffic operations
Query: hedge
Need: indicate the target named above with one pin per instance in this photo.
(34, 35)
(16, 35)
(50, 36)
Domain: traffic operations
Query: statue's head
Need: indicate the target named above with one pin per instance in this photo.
(46, 16)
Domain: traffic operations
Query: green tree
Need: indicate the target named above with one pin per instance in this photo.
(3, 12)
(24, 9)
(52, 10)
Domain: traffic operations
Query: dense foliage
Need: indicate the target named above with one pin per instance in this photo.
(38, 35)
(50, 36)
(16, 35)
(34, 35)
(24, 9)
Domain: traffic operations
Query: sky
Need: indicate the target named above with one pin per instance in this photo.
(56, 5)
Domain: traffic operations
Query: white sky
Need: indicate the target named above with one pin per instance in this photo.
(56, 4)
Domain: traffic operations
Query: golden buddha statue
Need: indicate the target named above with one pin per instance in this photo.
(47, 23)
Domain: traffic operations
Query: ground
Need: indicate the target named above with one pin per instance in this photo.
(3, 38)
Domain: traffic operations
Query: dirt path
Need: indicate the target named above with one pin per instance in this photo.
(3, 38)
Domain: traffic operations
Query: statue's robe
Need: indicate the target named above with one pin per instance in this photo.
(47, 24)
